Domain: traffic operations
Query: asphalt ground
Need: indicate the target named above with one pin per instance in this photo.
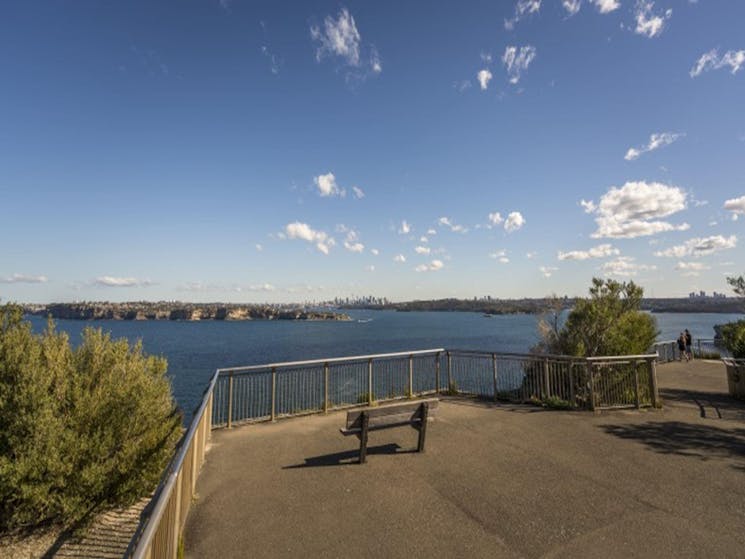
(494, 481)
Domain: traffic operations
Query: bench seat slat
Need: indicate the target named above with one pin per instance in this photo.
(404, 412)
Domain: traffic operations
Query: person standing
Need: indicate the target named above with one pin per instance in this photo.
(689, 345)
(682, 347)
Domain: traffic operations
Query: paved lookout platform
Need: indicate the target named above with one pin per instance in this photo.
(495, 481)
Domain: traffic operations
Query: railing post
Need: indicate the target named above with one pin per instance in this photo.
(230, 400)
(437, 373)
(572, 398)
(588, 365)
(546, 380)
(635, 364)
(653, 383)
(274, 393)
(494, 373)
(325, 388)
(370, 382)
(450, 371)
(698, 343)
(177, 512)
(411, 376)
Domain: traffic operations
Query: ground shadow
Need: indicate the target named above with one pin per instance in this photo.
(704, 442)
(712, 405)
(348, 457)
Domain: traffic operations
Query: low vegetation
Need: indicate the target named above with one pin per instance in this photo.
(733, 333)
(81, 429)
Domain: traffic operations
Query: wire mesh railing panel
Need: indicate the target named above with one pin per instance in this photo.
(299, 390)
(252, 396)
(621, 384)
(511, 379)
(220, 402)
(424, 371)
(348, 383)
(472, 373)
(390, 378)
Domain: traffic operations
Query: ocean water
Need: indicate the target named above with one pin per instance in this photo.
(195, 349)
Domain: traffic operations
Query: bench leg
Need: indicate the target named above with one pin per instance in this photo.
(423, 428)
(363, 437)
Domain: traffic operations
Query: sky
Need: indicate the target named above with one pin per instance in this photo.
(226, 150)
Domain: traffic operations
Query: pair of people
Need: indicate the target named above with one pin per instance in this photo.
(685, 341)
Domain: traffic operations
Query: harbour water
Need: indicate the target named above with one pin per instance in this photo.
(195, 349)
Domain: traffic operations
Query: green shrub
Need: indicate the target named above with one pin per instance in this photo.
(80, 429)
(609, 322)
(733, 337)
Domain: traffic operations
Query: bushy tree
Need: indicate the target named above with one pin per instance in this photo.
(737, 284)
(733, 337)
(80, 429)
(609, 322)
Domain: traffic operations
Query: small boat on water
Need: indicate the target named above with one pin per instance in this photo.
(364, 320)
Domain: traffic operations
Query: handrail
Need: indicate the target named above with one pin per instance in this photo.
(150, 524)
(286, 364)
(621, 357)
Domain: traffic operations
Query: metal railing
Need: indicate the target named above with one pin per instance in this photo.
(161, 525)
(668, 351)
(268, 392)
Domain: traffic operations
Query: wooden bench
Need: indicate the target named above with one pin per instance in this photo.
(416, 414)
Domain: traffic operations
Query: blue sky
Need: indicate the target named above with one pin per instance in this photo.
(214, 150)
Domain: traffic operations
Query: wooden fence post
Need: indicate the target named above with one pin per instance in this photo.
(571, 384)
(588, 365)
(546, 380)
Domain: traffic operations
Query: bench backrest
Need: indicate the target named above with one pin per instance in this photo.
(408, 412)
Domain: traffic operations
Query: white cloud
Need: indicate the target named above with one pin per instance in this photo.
(422, 250)
(327, 185)
(374, 251)
(647, 23)
(358, 192)
(531, 255)
(266, 287)
(423, 239)
(399, 258)
(624, 266)
(304, 232)
(547, 271)
(712, 61)
(447, 222)
(700, 246)
(571, 6)
(405, 228)
(484, 77)
(23, 278)
(431, 232)
(603, 6)
(339, 37)
(514, 221)
(370, 268)
(522, 8)
(259, 247)
(517, 60)
(736, 206)
(109, 281)
(631, 211)
(600, 251)
(433, 266)
(656, 141)
(691, 268)
(495, 219)
(354, 247)
(606, 6)
(589, 206)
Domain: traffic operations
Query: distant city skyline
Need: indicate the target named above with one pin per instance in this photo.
(220, 150)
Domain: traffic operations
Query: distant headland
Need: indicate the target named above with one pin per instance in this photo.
(178, 311)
